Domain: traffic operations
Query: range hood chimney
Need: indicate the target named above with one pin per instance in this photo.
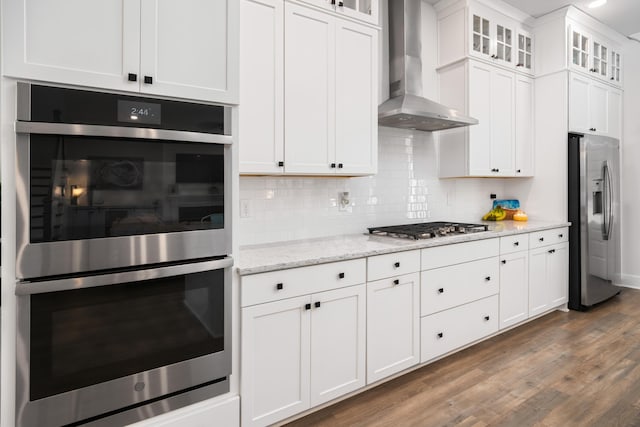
(407, 108)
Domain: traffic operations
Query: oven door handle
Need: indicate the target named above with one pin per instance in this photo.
(29, 288)
(119, 132)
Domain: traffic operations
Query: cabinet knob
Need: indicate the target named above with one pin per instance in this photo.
(486, 318)
(396, 282)
(494, 56)
(148, 80)
(552, 251)
(279, 286)
(317, 304)
(612, 78)
(341, 276)
(504, 261)
(132, 77)
(519, 65)
(307, 306)
(340, 165)
(441, 291)
(396, 265)
(340, 4)
(516, 243)
(280, 164)
(541, 239)
(561, 235)
(332, 165)
(488, 278)
(518, 171)
(440, 335)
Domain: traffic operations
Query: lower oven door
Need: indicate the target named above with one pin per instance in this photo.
(89, 346)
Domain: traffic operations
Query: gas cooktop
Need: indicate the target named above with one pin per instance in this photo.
(428, 230)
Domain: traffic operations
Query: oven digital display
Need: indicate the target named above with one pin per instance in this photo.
(139, 112)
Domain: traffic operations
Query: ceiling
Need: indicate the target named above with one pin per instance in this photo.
(621, 15)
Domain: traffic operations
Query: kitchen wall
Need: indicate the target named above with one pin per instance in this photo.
(630, 170)
(406, 188)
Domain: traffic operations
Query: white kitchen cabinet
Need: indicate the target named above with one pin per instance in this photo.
(393, 325)
(594, 54)
(362, 10)
(514, 288)
(524, 125)
(580, 49)
(548, 277)
(487, 149)
(320, 109)
(186, 50)
(594, 107)
(524, 49)
(492, 36)
(261, 87)
(615, 67)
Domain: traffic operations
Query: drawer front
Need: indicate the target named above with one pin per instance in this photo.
(389, 265)
(441, 256)
(445, 331)
(447, 287)
(517, 243)
(548, 237)
(277, 285)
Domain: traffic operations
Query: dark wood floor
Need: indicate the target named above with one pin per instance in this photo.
(564, 369)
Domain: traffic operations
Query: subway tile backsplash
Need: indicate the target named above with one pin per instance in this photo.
(406, 189)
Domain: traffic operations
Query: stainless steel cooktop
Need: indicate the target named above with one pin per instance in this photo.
(428, 230)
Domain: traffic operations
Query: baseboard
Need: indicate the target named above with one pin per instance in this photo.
(629, 281)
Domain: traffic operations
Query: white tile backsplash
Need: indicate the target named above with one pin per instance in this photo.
(406, 189)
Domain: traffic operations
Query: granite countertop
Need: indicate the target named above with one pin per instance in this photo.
(300, 253)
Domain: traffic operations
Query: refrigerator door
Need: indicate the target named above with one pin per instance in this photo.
(600, 235)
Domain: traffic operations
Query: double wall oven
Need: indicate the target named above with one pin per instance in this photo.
(123, 255)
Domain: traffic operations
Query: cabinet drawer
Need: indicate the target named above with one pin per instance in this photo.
(445, 331)
(510, 244)
(389, 265)
(441, 256)
(447, 287)
(548, 237)
(277, 285)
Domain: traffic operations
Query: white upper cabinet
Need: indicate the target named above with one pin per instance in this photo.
(594, 107)
(362, 10)
(523, 127)
(186, 49)
(309, 91)
(524, 49)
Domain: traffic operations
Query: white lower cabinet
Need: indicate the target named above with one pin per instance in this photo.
(514, 288)
(548, 277)
(393, 325)
(450, 329)
(301, 352)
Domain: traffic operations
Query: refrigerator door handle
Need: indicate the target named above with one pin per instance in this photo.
(608, 197)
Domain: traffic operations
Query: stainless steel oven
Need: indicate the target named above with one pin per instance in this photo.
(125, 345)
(109, 181)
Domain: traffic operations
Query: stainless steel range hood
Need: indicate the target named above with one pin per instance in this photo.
(407, 108)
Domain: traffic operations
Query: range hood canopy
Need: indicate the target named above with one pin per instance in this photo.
(407, 108)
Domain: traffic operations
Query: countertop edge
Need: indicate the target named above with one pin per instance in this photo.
(410, 245)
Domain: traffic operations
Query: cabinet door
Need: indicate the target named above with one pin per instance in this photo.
(598, 108)
(309, 97)
(614, 113)
(524, 49)
(261, 86)
(393, 325)
(615, 67)
(481, 28)
(72, 41)
(502, 122)
(480, 107)
(524, 129)
(275, 360)
(189, 49)
(599, 59)
(558, 273)
(539, 293)
(579, 110)
(337, 343)
(514, 288)
(356, 98)
(579, 49)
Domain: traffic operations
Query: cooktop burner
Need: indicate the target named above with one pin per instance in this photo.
(428, 230)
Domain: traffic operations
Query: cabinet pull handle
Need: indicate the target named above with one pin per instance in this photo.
(396, 265)
(133, 77)
(516, 243)
(541, 239)
(341, 276)
(280, 164)
(340, 165)
(552, 251)
(148, 80)
(561, 235)
(488, 278)
(504, 261)
(441, 291)
(494, 56)
(340, 4)
(396, 282)
(307, 306)
(440, 335)
(332, 165)
(317, 304)
(279, 286)
(486, 318)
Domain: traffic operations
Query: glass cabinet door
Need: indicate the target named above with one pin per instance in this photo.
(481, 35)
(525, 52)
(580, 50)
(615, 67)
(600, 64)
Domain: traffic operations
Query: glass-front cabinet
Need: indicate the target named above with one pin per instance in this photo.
(580, 50)
(491, 38)
(615, 67)
(595, 55)
(481, 36)
(362, 10)
(524, 60)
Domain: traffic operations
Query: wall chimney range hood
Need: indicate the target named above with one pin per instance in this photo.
(407, 108)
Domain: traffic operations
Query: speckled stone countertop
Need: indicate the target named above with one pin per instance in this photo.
(300, 253)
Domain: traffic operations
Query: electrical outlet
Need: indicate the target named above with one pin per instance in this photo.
(245, 208)
(344, 202)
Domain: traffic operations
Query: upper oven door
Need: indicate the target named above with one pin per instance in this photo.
(95, 197)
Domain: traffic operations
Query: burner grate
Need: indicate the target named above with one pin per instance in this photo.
(427, 230)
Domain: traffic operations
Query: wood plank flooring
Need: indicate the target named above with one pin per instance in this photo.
(564, 369)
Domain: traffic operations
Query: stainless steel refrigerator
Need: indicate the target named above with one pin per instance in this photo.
(594, 212)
